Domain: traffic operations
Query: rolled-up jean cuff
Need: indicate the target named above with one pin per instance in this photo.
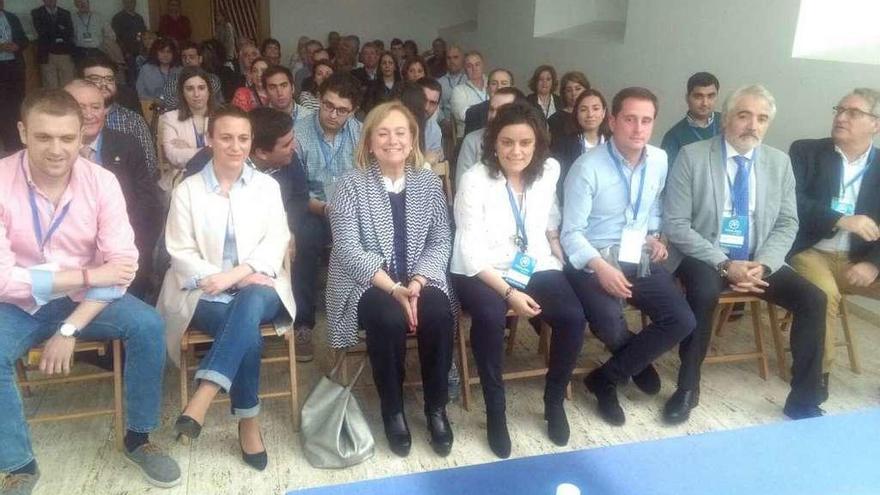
(250, 412)
(9, 469)
(214, 377)
(142, 429)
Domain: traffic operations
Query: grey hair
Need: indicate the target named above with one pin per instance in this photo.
(750, 90)
(872, 96)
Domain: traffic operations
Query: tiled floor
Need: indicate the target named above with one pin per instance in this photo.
(79, 456)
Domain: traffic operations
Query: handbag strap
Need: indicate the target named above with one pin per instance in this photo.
(338, 365)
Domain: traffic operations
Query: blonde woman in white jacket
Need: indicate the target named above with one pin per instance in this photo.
(227, 236)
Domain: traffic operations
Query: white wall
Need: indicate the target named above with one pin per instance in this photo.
(419, 20)
(107, 8)
(666, 41)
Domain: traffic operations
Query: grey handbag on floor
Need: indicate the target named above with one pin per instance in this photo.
(334, 431)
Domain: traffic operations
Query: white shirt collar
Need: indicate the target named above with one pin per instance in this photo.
(861, 159)
(396, 186)
(731, 151)
(694, 123)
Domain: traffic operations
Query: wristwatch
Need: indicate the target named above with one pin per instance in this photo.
(722, 268)
(69, 330)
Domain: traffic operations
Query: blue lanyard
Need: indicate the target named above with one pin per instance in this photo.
(713, 129)
(200, 138)
(750, 162)
(628, 183)
(35, 216)
(858, 176)
(295, 112)
(521, 239)
(326, 150)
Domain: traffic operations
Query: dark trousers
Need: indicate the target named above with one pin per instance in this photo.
(788, 290)
(657, 296)
(312, 238)
(559, 308)
(383, 319)
(11, 96)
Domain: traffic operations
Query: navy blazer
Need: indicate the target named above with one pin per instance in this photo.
(816, 167)
(475, 117)
(123, 155)
(51, 29)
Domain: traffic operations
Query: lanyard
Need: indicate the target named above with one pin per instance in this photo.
(480, 95)
(852, 182)
(713, 129)
(521, 239)
(749, 162)
(85, 24)
(296, 112)
(200, 138)
(35, 216)
(326, 150)
(628, 183)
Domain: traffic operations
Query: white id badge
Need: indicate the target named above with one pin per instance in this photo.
(520, 272)
(733, 231)
(843, 207)
(631, 243)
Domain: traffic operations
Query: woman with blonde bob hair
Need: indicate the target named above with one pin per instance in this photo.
(391, 247)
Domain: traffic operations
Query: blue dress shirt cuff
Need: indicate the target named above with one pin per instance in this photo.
(104, 294)
(41, 285)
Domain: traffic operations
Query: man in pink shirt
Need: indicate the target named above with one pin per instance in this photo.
(67, 255)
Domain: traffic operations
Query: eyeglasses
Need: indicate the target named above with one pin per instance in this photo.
(853, 113)
(101, 80)
(340, 111)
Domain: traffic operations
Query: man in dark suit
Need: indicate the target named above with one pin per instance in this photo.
(730, 216)
(123, 155)
(54, 43)
(370, 70)
(12, 43)
(838, 178)
(477, 115)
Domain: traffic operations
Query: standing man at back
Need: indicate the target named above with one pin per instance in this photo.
(54, 43)
(12, 44)
(701, 121)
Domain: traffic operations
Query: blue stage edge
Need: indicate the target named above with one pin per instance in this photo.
(832, 455)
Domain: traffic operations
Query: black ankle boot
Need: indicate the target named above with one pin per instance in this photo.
(499, 437)
(397, 433)
(440, 430)
(606, 394)
(557, 423)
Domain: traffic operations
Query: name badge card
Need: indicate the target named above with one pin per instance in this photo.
(733, 231)
(632, 241)
(520, 271)
(843, 207)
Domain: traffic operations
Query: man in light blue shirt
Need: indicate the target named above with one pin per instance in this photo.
(325, 143)
(610, 236)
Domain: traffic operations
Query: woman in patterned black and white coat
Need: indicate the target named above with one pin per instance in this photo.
(388, 270)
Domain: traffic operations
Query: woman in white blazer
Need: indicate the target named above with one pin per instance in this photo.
(507, 255)
(182, 130)
(227, 236)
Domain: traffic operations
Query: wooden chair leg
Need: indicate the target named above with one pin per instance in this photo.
(778, 342)
(465, 372)
(848, 338)
(117, 394)
(21, 371)
(343, 367)
(294, 384)
(184, 377)
(763, 367)
(512, 324)
(724, 315)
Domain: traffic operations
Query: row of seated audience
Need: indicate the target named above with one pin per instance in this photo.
(562, 210)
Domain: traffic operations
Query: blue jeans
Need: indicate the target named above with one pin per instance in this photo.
(233, 362)
(129, 319)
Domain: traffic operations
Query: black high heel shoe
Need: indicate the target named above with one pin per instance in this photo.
(257, 461)
(187, 427)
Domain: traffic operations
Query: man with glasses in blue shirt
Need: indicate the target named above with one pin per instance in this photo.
(326, 141)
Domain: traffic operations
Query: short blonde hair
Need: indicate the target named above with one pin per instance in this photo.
(362, 156)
